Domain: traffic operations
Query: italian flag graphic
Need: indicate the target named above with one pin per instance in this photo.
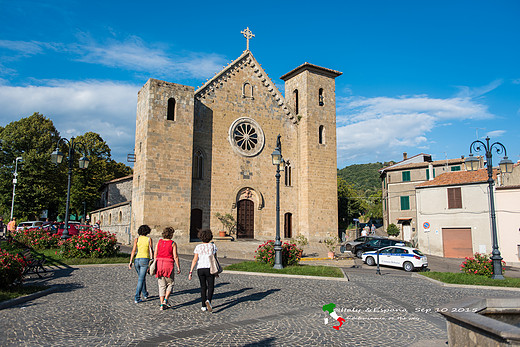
(330, 309)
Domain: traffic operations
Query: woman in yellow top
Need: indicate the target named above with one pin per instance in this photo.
(144, 246)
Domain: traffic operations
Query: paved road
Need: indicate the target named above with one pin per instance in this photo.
(94, 306)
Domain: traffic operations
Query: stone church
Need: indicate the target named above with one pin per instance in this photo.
(208, 150)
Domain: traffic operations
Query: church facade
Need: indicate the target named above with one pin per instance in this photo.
(199, 152)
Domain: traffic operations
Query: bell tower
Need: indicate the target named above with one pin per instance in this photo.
(310, 92)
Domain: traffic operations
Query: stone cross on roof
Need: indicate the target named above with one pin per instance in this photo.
(247, 34)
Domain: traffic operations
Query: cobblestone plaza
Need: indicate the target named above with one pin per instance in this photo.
(93, 306)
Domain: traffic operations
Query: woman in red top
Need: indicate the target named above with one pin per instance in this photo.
(166, 255)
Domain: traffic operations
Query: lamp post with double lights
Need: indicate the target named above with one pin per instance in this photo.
(279, 163)
(506, 166)
(57, 158)
(15, 180)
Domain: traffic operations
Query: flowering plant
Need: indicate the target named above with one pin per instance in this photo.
(90, 244)
(479, 264)
(290, 253)
(36, 238)
(11, 268)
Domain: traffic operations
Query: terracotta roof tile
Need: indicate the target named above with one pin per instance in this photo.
(459, 177)
(435, 163)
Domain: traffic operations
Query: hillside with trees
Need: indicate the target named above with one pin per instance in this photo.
(359, 193)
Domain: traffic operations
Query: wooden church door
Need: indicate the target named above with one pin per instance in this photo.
(246, 219)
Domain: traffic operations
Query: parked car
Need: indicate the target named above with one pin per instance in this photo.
(378, 243)
(59, 227)
(408, 258)
(349, 246)
(29, 224)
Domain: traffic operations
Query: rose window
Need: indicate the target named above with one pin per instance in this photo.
(246, 137)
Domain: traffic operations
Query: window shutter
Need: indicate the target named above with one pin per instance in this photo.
(454, 198)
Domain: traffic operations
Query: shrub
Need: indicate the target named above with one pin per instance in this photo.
(90, 244)
(290, 253)
(393, 230)
(479, 264)
(36, 238)
(331, 242)
(11, 268)
(300, 240)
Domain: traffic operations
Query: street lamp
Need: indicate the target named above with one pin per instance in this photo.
(506, 165)
(15, 180)
(57, 158)
(279, 163)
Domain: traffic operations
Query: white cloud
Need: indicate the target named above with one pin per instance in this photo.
(137, 55)
(516, 81)
(107, 108)
(496, 133)
(379, 128)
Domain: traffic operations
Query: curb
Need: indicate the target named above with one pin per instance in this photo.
(22, 299)
(311, 259)
(345, 279)
(442, 284)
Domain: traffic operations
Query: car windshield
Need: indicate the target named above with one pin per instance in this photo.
(418, 252)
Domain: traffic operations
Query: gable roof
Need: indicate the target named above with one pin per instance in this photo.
(423, 164)
(313, 68)
(245, 59)
(458, 178)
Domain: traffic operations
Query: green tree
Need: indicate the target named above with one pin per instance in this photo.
(349, 204)
(38, 188)
(87, 182)
(393, 230)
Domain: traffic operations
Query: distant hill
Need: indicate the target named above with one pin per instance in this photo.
(364, 177)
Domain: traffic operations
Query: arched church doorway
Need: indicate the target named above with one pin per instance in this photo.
(246, 219)
(195, 223)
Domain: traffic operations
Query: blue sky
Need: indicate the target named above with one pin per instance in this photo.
(418, 76)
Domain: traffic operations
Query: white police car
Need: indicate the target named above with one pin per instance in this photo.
(399, 256)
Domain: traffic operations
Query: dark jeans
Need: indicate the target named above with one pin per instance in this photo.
(207, 285)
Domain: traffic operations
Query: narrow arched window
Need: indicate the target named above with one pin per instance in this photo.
(171, 109)
(198, 165)
(320, 97)
(288, 174)
(287, 225)
(120, 216)
(109, 218)
(321, 135)
(247, 90)
(295, 94)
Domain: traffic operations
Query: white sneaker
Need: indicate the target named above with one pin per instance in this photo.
(203, 309)
(208, 306)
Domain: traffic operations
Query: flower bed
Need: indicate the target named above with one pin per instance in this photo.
(291, 254)
(36, 238)
(90, 244)
(479, 264)
(11, 268)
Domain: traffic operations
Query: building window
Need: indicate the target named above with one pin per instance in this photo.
(433, 173)
(120, 216)
(321, 135)
(287, 225)
(320, 97)
(405, 203)
(427, 174)
(288, 174)
(109, 218)
(198, 165)
(171, 109)
(454, 198)
(295, 94)
(247, 90)
(406, 176)
(455, 168)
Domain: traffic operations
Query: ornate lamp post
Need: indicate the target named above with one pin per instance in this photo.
(506, 165)
(15, 180)
(57, 158)
(279, 163)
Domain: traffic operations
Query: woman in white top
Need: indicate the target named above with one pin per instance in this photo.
(201, 259)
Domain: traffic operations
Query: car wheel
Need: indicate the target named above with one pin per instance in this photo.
(359, 253)
(407, 266)
(370, 261)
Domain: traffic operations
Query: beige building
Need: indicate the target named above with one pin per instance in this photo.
(453, 214)
(208, 150)
(398, 189)
(115, 209)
